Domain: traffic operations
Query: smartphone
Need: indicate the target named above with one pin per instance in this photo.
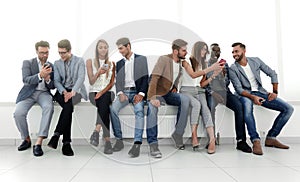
(105, 66)
(222, 61)
(46, 65)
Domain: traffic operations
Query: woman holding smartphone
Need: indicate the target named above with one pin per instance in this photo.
(192, 84)
(101, 74)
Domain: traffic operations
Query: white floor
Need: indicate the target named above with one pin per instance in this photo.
(90, 164)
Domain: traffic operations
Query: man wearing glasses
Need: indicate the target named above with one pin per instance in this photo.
(38, 80)
(69, 78)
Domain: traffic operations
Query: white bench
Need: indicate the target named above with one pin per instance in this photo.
(85, 115)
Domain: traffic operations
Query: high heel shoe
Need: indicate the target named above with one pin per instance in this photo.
(211, 147)
(196, 147)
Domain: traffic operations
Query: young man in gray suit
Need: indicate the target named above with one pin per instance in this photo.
(69, 75)
(38, 80)
(245, 76)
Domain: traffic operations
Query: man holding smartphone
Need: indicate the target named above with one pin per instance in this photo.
(245, 76)
(38, 80)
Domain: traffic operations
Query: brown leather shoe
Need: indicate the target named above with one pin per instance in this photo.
(257, 148)
(275, 143)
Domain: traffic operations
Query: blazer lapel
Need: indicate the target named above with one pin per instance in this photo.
(241, 69)
(252, 66)
(122, 68)
(35, 66)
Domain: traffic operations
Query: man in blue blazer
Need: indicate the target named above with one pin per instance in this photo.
(131, 87)
(245, 76)
(69, 75)
(38, 80)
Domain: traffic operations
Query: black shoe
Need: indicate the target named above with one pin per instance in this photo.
(53, 142)
(178, 141)
(196, 147)
(94, 139)
(135, 150)
(154, 151)
(243, 146)
(67, 150)
(216, 143)
(119, 145)
(37, 150)
(25, 145)
(108, 148)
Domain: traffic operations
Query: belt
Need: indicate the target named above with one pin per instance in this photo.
(129, 88)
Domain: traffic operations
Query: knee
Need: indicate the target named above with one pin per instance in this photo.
(151, 109)
(139, 114)
(196, 104)
(113, 108)
(19, 113)
(185, 100)
(48, 107)
(139, 111)
(290, 109)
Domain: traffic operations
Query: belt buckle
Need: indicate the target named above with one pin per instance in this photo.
(129, 88)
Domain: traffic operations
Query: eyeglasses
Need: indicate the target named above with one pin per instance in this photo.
(62, 53)
(43, 53)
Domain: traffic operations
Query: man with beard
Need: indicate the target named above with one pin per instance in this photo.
(219, 92)
(38, 79)
(163, 88)
(245, 76)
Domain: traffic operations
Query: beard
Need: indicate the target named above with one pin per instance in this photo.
(239, 57)
(181, 57)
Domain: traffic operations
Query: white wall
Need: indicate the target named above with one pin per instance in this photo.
(268, 28)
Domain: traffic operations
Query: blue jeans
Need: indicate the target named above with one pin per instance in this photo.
(139, 116)
(232, 102)
(175, 99)
(285, 109)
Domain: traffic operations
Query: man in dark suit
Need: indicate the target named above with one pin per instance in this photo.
(69, 78)
(38, 80)
(131, 87)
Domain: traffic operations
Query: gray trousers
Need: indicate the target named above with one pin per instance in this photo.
(198, 103)
(42, 98)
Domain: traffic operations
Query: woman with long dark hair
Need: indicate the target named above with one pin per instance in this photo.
(193, 87)
(101, 74)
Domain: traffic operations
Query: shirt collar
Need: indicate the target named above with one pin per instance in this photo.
(131, 57)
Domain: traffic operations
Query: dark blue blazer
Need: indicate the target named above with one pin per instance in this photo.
(141, 75)
(30, 71)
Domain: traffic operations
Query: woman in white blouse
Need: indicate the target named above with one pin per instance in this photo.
(192, 85)
(101, 74)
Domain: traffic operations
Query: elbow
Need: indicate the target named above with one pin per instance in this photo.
(91, 82)
(193, 75)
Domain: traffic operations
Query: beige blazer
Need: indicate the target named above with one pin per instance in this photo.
(161, 80)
